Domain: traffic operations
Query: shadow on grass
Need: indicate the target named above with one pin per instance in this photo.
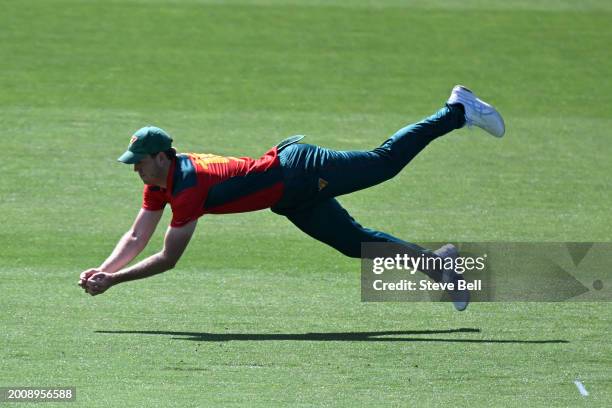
(343, 336)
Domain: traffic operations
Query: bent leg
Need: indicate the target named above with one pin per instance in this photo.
(342, 172)
(346, 172)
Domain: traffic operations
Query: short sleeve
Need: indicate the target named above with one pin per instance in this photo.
(188, 206)
(153, 198)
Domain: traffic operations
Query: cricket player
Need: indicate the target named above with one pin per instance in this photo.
(298, 181)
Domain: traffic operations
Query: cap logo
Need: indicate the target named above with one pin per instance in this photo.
(133, 139)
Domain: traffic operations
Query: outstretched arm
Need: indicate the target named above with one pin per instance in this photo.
(175, 242)
(129, 246)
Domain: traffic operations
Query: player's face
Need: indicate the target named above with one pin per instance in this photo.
(150, 170)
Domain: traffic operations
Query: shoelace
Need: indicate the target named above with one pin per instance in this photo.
(478, 107)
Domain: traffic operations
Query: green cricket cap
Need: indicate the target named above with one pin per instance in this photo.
(147, 140)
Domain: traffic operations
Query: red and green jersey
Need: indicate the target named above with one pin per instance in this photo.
(199, 184)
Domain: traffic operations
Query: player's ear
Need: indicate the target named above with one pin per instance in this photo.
(164, 156)
(160, 158)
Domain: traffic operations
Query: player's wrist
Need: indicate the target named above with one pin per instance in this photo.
(115, 278)
(108, 268)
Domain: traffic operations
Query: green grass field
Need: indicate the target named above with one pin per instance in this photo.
(256, 313)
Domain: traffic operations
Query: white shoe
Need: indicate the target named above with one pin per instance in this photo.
(460, 298)
(477, 112)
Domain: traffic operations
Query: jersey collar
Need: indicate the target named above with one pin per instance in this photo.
(170, 177)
